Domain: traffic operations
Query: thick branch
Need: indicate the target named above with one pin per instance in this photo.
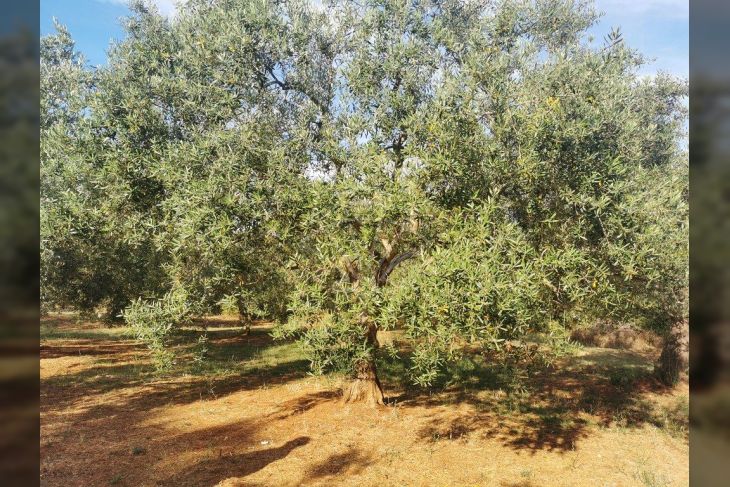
(286, 86)
(281, 84)
(387, 266)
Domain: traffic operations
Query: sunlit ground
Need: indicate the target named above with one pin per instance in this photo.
(250, 414)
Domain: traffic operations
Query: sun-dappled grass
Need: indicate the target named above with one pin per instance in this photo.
(229, 353)
(50, 331)
(674, 418)
(556, 403)
(545, 398)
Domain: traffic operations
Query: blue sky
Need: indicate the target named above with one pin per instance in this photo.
(657, 28)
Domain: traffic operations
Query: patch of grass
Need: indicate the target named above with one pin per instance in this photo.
(115, 480)
(626, 377)
(674, 419)
(243, 358)
(393, 365)
(104, 376)
(630, 412)
(651, 479)
(49, 331)
(473, 372)
(255, 356)
(392, 455)
(608, 359)
(513, 403)
(138, 450)
(226, 353)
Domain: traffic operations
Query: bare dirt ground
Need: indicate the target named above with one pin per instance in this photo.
(253, 417)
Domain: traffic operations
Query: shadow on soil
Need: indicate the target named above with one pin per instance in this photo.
(223, 466)
(234, 362)
(552, 410)
(351, 462)
(225, 460)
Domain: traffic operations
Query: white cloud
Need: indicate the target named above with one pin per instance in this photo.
(168, 8)
(662, 8)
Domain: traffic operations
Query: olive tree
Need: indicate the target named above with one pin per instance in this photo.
(181, 160)
(484, 176)
(466, 173)
(89, 257)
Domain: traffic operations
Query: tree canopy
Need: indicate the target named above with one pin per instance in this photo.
(461, 172)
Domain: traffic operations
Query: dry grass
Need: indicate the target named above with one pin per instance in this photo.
(251, 416)
(625, 337)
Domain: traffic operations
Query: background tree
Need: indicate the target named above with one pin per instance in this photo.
(90, 257)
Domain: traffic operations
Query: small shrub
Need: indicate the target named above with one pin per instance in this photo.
(138, 450)
(651, 479)
(200, 351)
(154, 321)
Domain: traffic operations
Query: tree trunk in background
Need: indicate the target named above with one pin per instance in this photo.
(366, 386)
(245, 323)
(674, 360)
(111, 315)
(243, 319)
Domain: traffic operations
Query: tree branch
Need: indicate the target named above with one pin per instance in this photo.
(276, 81)
(387, 266)
(351, 269)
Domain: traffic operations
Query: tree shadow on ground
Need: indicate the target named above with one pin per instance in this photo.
(235, 450)
(350, 462)
(76, 409)
(235, 362)
(305, 403)
(229, 450)
(552, 410)
(88, 347)
(58, 390)
(213, 470)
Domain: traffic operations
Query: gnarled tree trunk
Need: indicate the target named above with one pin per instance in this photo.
(365, 386)
(674, 360)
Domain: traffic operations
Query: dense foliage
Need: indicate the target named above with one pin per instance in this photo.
(95, 252)
(462, 172)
